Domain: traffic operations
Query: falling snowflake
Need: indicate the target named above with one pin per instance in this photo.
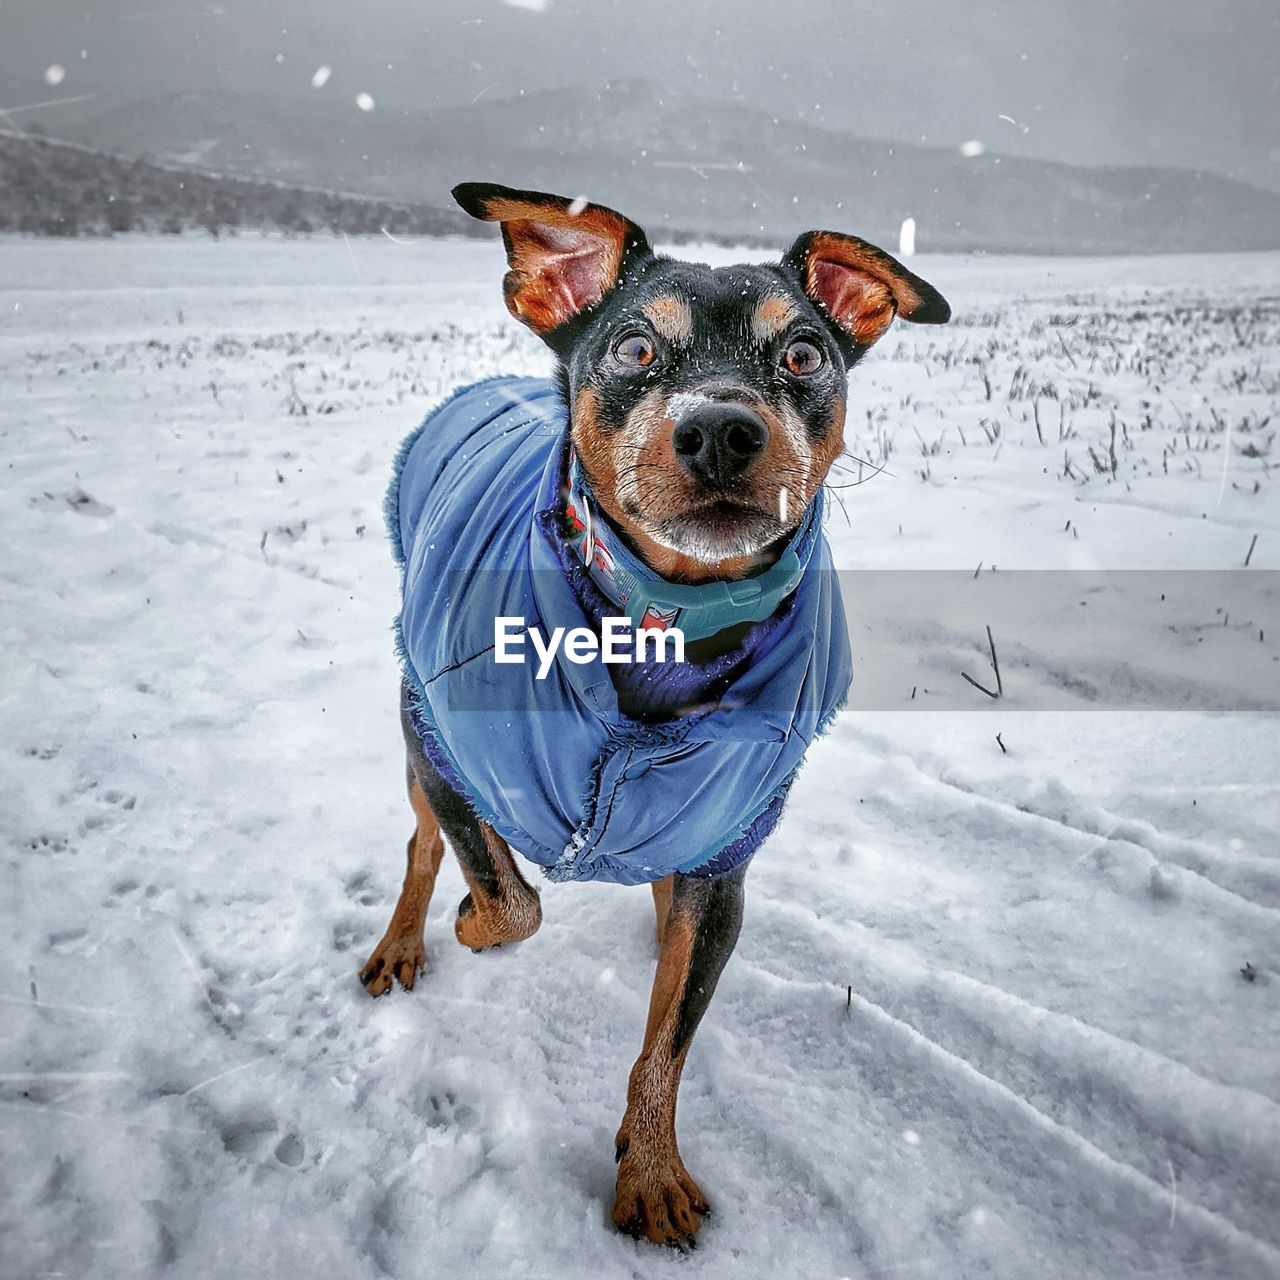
(907, 237)
(972, 148)
(577, 205)
(534, 6)
(55, 74)
(364, 101)
(320, 77)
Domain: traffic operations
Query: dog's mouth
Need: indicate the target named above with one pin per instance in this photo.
(719, 529)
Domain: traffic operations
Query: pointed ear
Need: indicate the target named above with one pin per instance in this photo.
(861, 288)
(564, 255)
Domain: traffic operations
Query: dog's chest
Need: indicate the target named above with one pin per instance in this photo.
(657, 691)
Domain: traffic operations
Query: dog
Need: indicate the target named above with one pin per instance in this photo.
(672, 475)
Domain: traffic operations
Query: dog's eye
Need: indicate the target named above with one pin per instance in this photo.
(802, 357)
(635, 351)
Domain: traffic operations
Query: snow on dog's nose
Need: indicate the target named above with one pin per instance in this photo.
(716, 443)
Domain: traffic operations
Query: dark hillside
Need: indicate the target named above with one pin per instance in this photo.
(61, 189)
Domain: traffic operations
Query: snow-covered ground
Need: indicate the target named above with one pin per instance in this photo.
(987, 1017)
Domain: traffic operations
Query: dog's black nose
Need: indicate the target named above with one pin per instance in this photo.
(717, 442)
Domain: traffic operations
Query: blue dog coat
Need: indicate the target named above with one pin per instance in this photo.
(569, 781)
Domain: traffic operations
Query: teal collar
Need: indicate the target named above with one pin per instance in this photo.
(651, 601)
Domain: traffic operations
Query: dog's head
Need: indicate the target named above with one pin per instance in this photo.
(706, 404)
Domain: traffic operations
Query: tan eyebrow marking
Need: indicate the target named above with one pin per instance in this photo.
(771, 317)
(671, 317)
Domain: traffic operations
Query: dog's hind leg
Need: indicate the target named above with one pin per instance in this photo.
(656, 1197)
(500, 906)
(400, 955)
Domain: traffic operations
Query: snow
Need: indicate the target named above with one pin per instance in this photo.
(987, 1017)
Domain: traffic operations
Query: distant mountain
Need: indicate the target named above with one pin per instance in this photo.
(66, 189)
(691, 164)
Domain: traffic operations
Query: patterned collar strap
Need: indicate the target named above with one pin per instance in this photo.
(651, 601)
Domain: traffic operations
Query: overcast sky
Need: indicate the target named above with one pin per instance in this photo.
(1094, 81)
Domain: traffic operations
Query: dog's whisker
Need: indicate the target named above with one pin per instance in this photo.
(853, 484)
(844, 510)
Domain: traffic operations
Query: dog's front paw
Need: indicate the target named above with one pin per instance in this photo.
(657, 1200)
(399, 957)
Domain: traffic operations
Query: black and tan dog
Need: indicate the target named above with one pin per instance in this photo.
(705, 408)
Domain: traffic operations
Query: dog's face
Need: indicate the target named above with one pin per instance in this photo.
(707, 405)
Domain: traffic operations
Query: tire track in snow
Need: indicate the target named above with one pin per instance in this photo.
(1074, 1190)
(1141, 1108)
(1246, 876)
(1253, 879)
(1223, 901)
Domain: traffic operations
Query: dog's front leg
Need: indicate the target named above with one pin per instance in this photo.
(656, 1197)
(400, 955)
(500, 905)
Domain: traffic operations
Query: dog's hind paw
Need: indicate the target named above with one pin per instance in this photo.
(397, 958)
